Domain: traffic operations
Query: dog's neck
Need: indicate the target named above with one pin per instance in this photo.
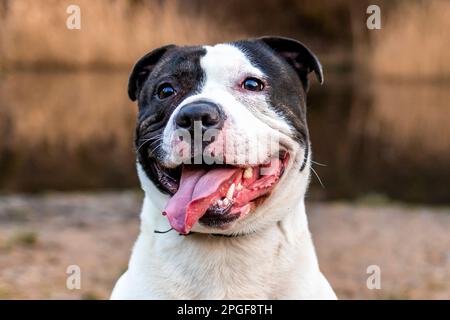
(209, 267)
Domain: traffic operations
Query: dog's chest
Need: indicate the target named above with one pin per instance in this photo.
(218, 270)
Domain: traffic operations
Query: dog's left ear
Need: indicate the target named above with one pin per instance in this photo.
(297, 55)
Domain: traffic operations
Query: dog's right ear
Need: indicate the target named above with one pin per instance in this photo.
(297, 55)
(142, 70)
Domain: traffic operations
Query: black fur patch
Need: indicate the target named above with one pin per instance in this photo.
(179, 66)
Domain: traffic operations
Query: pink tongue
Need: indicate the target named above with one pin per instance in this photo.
(198, 189)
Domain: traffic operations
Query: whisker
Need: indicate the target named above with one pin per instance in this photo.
(145, 141)
(318, 163)
(154, 149)
(142, 144)
(155, 137)
(317, 176)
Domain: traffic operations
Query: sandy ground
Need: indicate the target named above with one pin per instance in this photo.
(41, 236)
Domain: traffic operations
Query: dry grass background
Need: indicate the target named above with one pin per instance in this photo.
(73, 104)
(113, 33)
(79, 124)
(412, 117)
(414, 42)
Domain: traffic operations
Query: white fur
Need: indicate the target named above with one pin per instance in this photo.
(275, 259)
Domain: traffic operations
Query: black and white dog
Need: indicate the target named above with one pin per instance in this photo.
(223, 155)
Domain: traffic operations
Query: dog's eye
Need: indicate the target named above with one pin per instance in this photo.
(253, 84)
(165, 90)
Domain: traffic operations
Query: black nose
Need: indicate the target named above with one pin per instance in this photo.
(207, 114)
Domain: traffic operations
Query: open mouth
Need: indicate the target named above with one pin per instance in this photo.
(216, 195)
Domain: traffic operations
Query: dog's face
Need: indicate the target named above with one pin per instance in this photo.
(222, 130)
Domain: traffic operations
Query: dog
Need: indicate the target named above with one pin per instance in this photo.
(217, 223)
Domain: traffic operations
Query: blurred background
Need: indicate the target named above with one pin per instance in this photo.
(380, 130)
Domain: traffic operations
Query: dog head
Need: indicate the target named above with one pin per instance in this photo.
(222, 131)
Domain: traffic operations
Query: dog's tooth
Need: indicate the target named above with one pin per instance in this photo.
(226, 201)
(248, 173)
(230, 192)
(219, 202)
(239, 187)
